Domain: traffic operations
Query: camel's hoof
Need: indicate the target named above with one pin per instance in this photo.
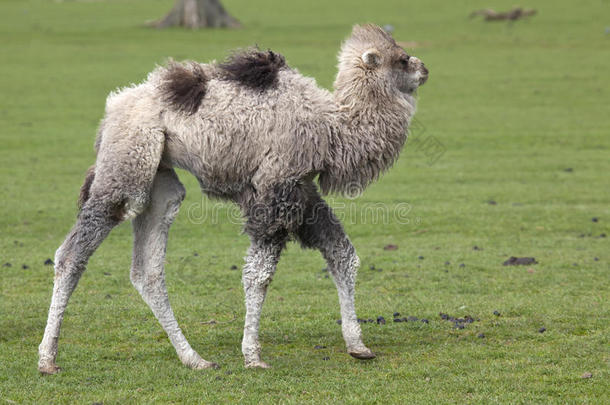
(204, 364)
(257, 364)
(362, 354)
(48, 369)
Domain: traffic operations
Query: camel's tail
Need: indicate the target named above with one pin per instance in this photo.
(84, 190)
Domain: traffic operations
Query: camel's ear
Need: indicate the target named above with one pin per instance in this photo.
(371, 58)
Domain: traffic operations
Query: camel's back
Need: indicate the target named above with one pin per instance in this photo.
(242, 135)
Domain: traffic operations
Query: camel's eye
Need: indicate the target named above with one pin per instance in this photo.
(404, 61)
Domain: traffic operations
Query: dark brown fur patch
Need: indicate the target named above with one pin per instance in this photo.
(253, 68)
(118, 210)
(184, 86)
(84, 190)
(277, 213)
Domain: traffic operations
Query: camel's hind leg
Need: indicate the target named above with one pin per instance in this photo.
(147, 273)
(125, 168)
(93, 225)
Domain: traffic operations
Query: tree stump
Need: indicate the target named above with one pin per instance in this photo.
(197, 14)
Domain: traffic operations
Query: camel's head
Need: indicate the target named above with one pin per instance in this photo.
(371, 55)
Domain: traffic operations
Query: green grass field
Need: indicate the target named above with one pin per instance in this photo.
(521, 113)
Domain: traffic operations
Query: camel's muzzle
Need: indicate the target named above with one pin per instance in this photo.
(424, 75)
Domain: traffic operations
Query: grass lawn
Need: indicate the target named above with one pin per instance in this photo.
(517, 115)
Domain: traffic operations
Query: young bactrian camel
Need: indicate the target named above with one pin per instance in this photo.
(253, 131)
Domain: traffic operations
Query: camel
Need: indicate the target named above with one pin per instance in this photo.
(253, 131)
(511, 15)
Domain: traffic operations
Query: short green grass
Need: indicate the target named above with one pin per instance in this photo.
(511, 106)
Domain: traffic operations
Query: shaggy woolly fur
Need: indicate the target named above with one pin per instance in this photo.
(185, 86)
(254, 69)
(253, 131)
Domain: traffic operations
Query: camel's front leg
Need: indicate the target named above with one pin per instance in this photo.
(322, 230)
(343, 264)
(258, 271)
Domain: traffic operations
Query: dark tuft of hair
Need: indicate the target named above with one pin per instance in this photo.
(184, 86)
(118, 210)
(253, 68)
(86, 188)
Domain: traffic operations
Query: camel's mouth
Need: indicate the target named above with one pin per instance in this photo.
(424, 75)
(415, 79)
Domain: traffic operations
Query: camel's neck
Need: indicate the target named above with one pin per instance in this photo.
(371, 132)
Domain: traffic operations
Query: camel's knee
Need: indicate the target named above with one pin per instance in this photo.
(342, 258)
(260, 266)
(257, 280)
(258, 277)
